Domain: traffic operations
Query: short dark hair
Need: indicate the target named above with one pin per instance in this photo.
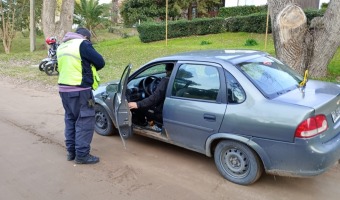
(84, 32)
(169, 66)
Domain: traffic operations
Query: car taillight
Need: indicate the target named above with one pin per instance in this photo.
(311, 127)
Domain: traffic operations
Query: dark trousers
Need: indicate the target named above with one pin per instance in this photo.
(143, 115)
(79, 121)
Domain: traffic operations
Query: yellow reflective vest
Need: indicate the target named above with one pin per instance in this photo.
(69, 64)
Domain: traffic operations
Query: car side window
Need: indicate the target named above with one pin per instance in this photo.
(235, 92)
(196, 82)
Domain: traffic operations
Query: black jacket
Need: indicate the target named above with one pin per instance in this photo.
(156, 100)
(90, 57)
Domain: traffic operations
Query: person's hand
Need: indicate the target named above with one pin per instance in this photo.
(132, 105)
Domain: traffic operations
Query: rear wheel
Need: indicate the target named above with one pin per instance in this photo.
(103, 124)
(237, 162)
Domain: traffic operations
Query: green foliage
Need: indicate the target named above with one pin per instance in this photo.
(152, 31)
(135, 11)
(203, 6)
(324, 5)
(204, 42)
(25, 33)
(125, 35)
(118, 52)
(88, 13)
(241, 10)
(22, 12)
(310, 14)
(39, 32)
(251, 42)
(254, 23)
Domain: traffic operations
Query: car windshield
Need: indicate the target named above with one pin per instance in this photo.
(270, 76)
(157, 69)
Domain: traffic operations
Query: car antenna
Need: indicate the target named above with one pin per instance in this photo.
(303, 83)
(305, 79)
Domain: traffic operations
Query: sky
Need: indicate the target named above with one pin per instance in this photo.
(104, 1)
(234, 2)
(256, 2)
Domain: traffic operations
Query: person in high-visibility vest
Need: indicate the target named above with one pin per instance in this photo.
(78, 63)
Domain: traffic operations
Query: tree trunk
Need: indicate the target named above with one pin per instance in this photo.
(310, 4)
(115, 12)
(327, 39)
(32, 26)
(64, 25)
(48, 18)
(190, 12)
(301, 46)
(7, 31)
(66, 18)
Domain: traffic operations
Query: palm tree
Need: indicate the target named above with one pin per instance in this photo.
(88, 13)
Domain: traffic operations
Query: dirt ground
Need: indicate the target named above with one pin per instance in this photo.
(34, 167)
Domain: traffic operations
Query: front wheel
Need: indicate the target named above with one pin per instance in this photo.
(237, 162)
(42, 66)
(103, 124)
(49, 69)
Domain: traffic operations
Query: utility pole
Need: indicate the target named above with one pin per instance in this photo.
(166, 23)
(32, 26)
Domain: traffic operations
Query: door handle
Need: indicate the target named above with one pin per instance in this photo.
(209, 117)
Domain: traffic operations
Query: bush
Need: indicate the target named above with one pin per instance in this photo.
(25, 33)
(255, 23)
(250, 42)
(205, 42)
(151, 31)
(241, 11)
(310, 14)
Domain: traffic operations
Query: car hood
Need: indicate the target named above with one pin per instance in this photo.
(102, 87)
(321, 96)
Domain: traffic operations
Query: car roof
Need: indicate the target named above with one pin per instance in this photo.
(233, 56)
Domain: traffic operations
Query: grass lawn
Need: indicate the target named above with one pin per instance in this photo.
(118, 52)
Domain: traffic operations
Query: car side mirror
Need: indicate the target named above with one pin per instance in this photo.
(112, 88)
(238, 95)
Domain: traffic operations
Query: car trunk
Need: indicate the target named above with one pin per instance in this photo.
(324, 98)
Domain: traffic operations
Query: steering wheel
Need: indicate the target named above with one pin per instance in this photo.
(150, 84)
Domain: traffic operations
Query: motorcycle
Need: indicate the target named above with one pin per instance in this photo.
(51, 67)
(51, 59)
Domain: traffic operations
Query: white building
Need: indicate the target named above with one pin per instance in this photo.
(233, 3)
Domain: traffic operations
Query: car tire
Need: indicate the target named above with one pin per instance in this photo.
(237, 162)
(103, 124)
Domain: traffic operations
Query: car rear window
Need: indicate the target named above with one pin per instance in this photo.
(270, 76)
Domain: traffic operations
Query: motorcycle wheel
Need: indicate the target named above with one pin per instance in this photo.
(56, 68)
(42, 66)
(49, 70)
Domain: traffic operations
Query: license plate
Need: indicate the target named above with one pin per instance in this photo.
(336, 115)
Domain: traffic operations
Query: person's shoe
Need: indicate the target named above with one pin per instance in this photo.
(156, 128)
(89, 159)
(70, 156)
